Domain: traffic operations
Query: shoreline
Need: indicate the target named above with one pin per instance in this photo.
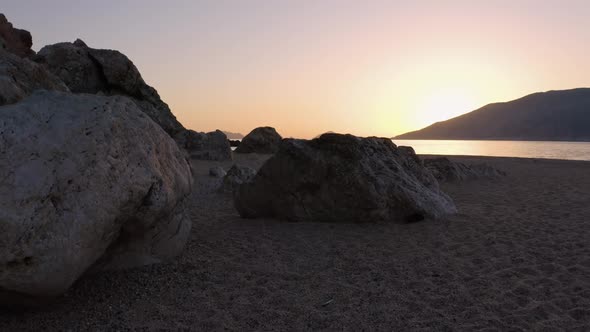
(499, 157)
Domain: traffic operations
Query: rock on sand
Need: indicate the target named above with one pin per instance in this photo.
(343, 178)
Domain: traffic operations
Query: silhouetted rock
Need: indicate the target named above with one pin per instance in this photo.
(264, 140)
(236, 176)
(342, 178)
(19, 77)
(549, 116)
(16, 41)
(444, 169)
(108, 72)
(88, 182)
(205, 146)
(234, 143)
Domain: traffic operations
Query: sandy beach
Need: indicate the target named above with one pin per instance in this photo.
(516, 257)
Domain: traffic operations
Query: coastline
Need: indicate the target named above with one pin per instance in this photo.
(515, 256)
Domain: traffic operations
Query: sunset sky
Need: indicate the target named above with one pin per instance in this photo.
(305, 67)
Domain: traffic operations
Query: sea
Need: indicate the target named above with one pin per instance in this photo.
(523, 149)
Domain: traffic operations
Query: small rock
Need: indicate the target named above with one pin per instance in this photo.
(217, 172)
(446, 170)
(205, 146)
(236, 176)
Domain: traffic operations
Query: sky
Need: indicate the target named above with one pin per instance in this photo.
(366, 67)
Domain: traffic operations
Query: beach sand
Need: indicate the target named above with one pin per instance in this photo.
(516, 257)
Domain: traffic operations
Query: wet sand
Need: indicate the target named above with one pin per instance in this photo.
(516, 257)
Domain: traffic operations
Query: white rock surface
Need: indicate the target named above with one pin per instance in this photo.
(86, 182)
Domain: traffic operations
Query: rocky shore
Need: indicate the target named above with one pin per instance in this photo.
(114, 216)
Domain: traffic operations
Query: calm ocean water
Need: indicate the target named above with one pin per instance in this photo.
(524, 149)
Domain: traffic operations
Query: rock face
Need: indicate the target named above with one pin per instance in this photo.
(13, 40)
(342, 178)
(205, 146)
(236, 176)
(87, 182)
(264, 140)
(20, 77)
(444, 169)
(87, 70)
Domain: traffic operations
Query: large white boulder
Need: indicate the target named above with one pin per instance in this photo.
(86, 182)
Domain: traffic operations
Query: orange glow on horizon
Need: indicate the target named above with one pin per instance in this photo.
(305, 67)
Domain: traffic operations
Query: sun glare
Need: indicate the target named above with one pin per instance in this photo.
(444, 104)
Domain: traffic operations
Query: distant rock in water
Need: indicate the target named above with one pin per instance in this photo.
(234, 143)
(106, 72)
(205, 146)
(343, 178)
(446, 170)
(233, 136)
(549, 116)
(89, 182)
(264, 140)
(15, 41)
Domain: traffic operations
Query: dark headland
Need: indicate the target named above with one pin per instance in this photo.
(546, 116)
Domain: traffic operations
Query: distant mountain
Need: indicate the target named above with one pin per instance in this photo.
(545, 116)
(231, 135)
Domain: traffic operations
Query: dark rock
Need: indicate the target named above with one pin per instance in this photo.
(217, 172)
(234, 143)
(87, 70)
(236, 176)
(205, 146)
(343, 178)
(264, 140)
(19, 77)
(16, 41)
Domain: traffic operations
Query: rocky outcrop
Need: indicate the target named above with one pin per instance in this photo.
(263, 140)
(343, 178)
(20, 77)
(205, 146)
(87, 70)
(446, 170)
(16, 41)
(236, 176)
(88, 182)
(234, 143)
